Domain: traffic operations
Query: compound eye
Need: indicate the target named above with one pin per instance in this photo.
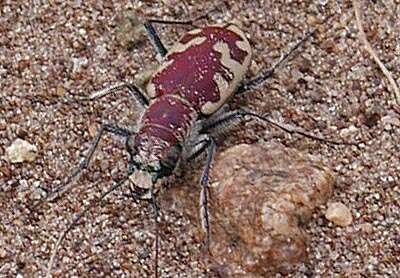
(171, 159)
(130, 145)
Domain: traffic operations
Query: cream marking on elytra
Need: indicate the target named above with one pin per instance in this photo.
(151, 88)
(244, 44)
(195, 31)
(237, 31)
(237, 69)
(218, 25)
(182, 47)
(221, 82)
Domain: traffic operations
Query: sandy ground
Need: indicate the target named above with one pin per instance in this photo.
(52, 52)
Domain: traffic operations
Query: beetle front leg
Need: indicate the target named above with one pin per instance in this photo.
(116, 130)
(75, 221)
(204, 143)
(156, 211)
(204, 190)
(84, 164)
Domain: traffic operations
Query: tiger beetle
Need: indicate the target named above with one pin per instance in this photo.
(185, 110)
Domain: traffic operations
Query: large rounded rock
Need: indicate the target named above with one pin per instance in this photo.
(260, 197)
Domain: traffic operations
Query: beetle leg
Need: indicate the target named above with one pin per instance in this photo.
(156, 210)
(218, 125)
(135, 195)
(205, 143)
(84, 164)
(194, 148)
(75, 221)
(133, 90)
(254, 83)
(204, 214)
(155, 38)
(182, 22)
(119, 131)
(292, 130)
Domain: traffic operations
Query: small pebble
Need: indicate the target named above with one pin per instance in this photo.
(21, 151)
(348, 131)
(339, 214)
(3, 253)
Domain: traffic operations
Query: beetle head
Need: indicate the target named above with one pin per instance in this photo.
(151, 159)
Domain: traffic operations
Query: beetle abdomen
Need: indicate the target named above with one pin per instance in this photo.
(204, 67)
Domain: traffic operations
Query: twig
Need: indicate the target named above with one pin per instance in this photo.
(371, 51)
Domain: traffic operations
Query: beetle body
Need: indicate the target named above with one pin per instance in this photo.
(197, 76)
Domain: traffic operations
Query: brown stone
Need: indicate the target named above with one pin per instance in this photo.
(260, 197)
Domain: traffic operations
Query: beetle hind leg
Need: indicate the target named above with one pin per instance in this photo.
(257, 81)
(155, 39)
